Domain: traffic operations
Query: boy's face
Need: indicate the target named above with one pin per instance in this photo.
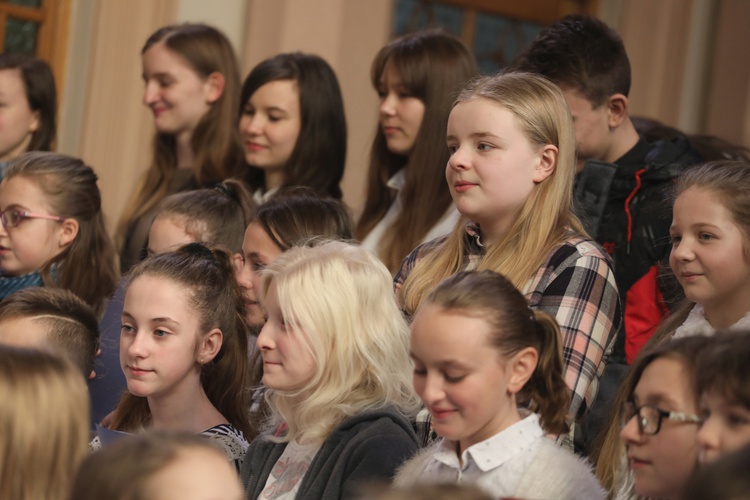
(593, 134)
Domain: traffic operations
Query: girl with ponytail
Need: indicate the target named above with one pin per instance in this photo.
(479, 355)
(183, 348)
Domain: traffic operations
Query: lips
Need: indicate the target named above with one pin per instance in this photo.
(636, 463)
(254, 147)
(390, 130)
(137, 371)
(688, 276)
(463, 186)
(441, 413)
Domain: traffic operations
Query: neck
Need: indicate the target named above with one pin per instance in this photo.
(185, 155)
(187, 411)
(501, 421)
(274, 178)
(624, 138)
(724, 315)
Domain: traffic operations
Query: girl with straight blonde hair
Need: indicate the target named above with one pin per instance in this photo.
(338, 376)
(44, 424)
(511, 174)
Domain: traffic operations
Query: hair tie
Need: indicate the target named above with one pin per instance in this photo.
(222, 188)
(199, 250)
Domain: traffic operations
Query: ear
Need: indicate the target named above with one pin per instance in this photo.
(210, 346)
(522, 366)
(214, 87)
(68, 232)
(547, 163)
(617, 110)
(36, 120)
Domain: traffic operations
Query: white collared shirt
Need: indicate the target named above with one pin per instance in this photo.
(496, 465)
(442, 227)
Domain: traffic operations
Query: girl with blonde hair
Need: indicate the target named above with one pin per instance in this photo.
(511, 174)
(44, 424)
(337, 372)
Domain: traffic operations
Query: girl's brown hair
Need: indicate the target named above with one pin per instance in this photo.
(724, 367)
(433, 67)
(87, 266)
(608, 456)
(216, 141)
(493, 298)
(208, 275)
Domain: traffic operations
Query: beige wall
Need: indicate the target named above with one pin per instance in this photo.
(689, 61)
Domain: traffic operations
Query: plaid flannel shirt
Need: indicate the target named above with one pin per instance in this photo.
(576, 285)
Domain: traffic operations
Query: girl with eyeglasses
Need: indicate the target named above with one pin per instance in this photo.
(657, 413)
(52, 231)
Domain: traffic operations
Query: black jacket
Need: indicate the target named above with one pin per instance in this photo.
(367, 447)
(626, 208)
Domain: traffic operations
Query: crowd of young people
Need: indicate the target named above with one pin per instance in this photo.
(517, 236)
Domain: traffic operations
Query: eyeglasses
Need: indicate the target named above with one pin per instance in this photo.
(650, 417)
(11, 217)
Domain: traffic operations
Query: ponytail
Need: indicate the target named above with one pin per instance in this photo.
(514, 327)
(547, 393)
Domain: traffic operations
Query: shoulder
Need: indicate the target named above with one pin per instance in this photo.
(410, 472)
(229, 439)
(578, 251)
(557, 473)
(375, 424)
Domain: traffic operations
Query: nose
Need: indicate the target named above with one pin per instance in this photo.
(137, 347)
(630, 432)
(245, 277)
(682, 251)
(708, 440)
(150, 93)
(459, 159)
(432, 391)
(388, 104)
(265, 342)
(251, 125)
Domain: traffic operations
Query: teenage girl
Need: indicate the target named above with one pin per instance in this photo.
(293, 216)
(192, 88)
(710, 231)
(183, 348)
(723, 381)
(479, 352)
(157, 466)
(293, 125)
(215, 215)
(28, 104)
(53, 231)
(336, 365)
(659, 422)
(408, 202)
(43, 423)
(510, 173)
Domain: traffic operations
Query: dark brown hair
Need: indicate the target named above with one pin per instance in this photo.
(318, 158)
(86, 267)
(67, 321)
(724, 367)
(39, 85)
(433, 67)
(215, 215)
(491, 297)
(208, 276)
(582, 53)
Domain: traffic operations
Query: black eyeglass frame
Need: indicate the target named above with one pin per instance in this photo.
(630, 410)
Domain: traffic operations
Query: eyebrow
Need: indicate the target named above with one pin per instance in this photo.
(164, 319)
(444, 363)
(476, 135)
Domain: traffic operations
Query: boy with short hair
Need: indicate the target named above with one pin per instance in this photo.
(51, 318)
